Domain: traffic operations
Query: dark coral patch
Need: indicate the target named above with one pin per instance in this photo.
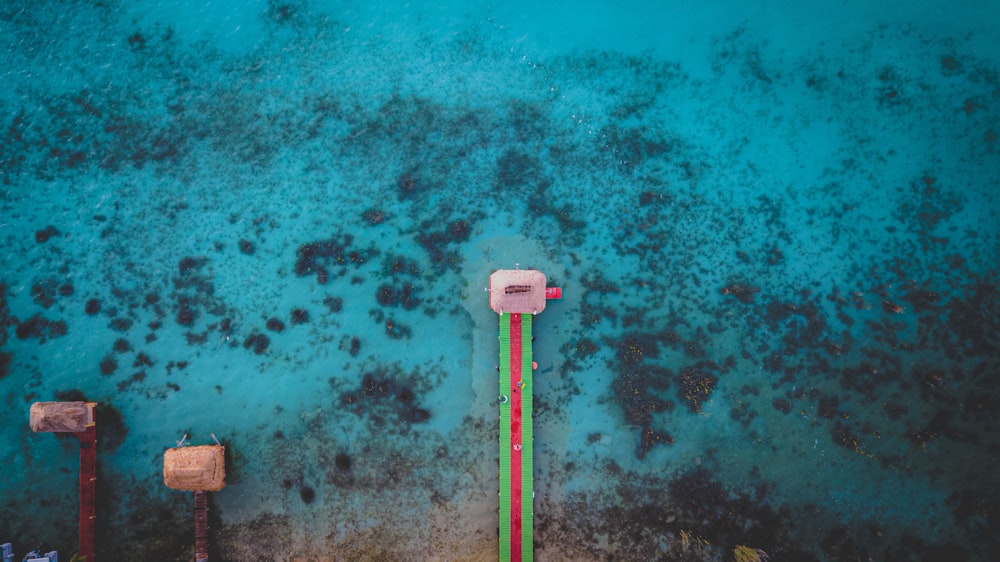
(311, 256)
(743, 413)
(40, 328)
(73, 395)
(377, 387)
(185, 312)
(42, 236)
(516, 170)
(635, 392)
(827, 406)
(142, 360)
(895, 411)
(409, 185)
(727, 516)
(843, 435)
(320, 256)
(639, 387)
(743, 292)
(437, 242)
(416, 415)
(782, 405)
(189, 265)
(585, 347)
(387, 295)
(120, 324)
(458, 230)
(257, 342)
(322, 275)
(111, 431)
(397, 330)
(406, 395)
(281, 12)
(108, 365)
(334, 304)
(922, 300)
(92, 307)
(396, 266)
(194, 297)
(44, 291)
(247, 247)
(299, 316)
(6, 358)
(307, 494)
(381, 395)
(695, 386)
(373, 217)
(342, 461)
(136, 378)
(275, 325)
(650, 438)
(136, 40)
(408, 296)
(226, 327)
(179, 365)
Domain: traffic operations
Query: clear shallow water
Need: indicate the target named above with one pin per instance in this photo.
(776, 229)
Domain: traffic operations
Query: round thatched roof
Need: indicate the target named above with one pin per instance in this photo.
(71, 417)
(197, 469)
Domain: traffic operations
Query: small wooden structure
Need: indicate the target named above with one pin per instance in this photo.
(195, 469)
(61, 417)
(199, 469)
(80, 419)
(517, 291)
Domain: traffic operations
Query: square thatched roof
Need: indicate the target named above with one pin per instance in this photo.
(69, 417)
(196, 469)
(517, 290)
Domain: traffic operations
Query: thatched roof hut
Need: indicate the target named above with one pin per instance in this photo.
(517, 290)
(197, 469)
(69, 417)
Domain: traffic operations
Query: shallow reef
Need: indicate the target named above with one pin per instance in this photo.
(781, 322)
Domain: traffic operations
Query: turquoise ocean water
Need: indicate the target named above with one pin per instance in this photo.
(775, 225)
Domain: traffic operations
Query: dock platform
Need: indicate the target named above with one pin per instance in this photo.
(517, 295)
